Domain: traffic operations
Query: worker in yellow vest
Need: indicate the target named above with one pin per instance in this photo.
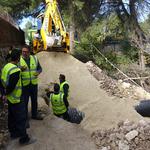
(64, 86)
(12, 90)
(59, 103)
(31, 68)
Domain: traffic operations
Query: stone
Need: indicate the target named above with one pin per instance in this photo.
(142, 123)
(120, 136)
(131, 135)
(136, 140)
(112, 137)
(104, 148)
(123, 146)
(127, 123)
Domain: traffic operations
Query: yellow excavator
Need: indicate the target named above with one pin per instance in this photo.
(53, 34)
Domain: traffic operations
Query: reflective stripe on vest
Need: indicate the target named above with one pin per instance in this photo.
(14, 96)
(28, 74)
(62, 89)
(57, 103)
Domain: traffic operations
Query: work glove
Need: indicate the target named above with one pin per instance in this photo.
(23, 68)
(36, 74)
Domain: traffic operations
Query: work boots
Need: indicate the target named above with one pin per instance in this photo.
(37, 117)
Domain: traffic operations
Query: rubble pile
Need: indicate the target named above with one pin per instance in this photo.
(117, 87)
(142, 78)
(106, 82)
(126, 136)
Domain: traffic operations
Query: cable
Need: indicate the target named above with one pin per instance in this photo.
(114, 65)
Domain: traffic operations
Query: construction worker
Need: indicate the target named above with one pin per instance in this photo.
(59, 103)
(12, 90)
(31, 68)
(64, 86)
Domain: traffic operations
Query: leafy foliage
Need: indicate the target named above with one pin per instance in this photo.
(146, 25)
(101, 32)
(19, 8)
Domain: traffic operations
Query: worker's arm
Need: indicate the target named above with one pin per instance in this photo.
(66, 101)
(13, 80)
(47, 97)
(39, 68)
(66, 89)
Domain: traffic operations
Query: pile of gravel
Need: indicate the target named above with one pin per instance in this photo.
(106, 82)
(126, 136)
(116, 87)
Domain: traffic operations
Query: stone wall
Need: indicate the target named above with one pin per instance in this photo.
(10, 33)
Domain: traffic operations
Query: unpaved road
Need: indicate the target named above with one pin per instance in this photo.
(101, 110)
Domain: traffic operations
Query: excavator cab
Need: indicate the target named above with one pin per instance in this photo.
(52, 35)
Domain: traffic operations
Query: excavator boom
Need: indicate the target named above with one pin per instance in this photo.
(53, 32)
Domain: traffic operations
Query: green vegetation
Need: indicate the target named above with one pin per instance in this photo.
(104, 34)
(98, 22)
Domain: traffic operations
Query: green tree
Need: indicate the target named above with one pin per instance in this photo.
(129, 12)
(19, 8)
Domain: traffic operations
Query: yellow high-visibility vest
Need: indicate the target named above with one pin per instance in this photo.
(58, 104)
(62, 89)
(28, 74)
(8, 69)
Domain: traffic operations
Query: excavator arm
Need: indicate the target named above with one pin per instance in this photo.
(53, 32)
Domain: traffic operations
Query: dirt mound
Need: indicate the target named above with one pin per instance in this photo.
(118, 88)
(101, 110)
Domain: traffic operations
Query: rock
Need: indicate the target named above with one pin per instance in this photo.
(125, 85)
(136, 140)
(142, 136)
(131, 135)
(127, 123)
(120, 136)
(113, 144)
(112, 137)
(123, 146)
(142, 123)
(104, 148)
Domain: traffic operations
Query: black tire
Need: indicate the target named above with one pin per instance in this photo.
(143, 108)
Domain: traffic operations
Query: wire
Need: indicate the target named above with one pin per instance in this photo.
(114, 65)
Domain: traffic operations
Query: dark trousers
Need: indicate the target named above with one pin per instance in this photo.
(17, 119)
(65, 116)
(30, 91)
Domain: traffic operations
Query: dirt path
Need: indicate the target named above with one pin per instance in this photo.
(56, 134)
(101, 110)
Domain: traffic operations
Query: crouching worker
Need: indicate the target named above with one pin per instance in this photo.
(59, 103)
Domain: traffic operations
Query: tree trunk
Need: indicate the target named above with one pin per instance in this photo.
(130, 22)
(72, 31)
(139, 41)
(72, 26)
(141, 60)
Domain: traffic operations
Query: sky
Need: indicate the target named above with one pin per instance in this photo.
(25, 20)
